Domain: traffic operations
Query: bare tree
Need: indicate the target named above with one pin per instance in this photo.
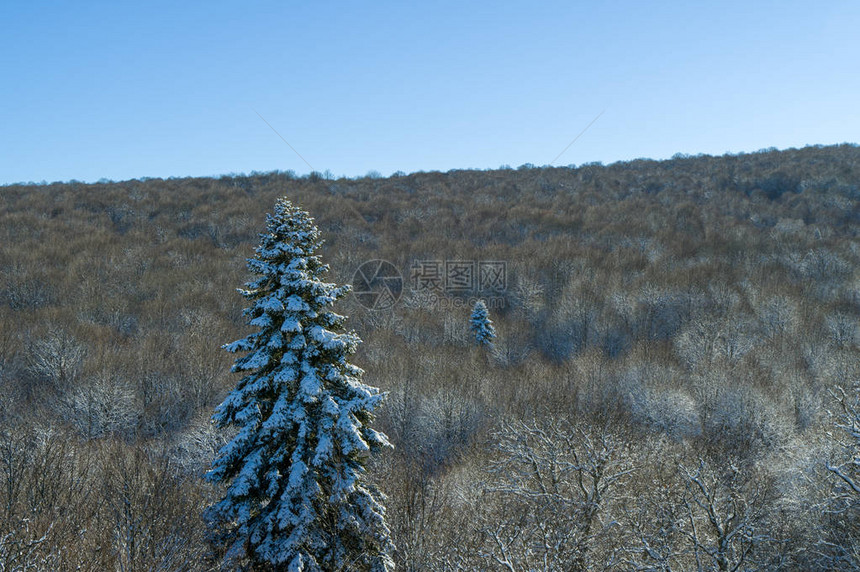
(149, 512)
(102, 405)
(57, 358)
(839, 545)
(22, 549)
(555, 483)
(654, 524)
(724, 519)
(848, 421)
(13, 468)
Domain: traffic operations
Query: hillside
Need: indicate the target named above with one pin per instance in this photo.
(686, 326)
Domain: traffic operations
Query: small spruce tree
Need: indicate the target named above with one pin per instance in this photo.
(481, 325)
(296, 497)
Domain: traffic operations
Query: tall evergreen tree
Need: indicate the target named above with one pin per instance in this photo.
(481, 325)
(296, 497)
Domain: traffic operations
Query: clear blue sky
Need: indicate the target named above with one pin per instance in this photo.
(125, 90)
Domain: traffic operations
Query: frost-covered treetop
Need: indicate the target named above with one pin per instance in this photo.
(296, 496)
(287, 252)
(481, 325)
(289, 295)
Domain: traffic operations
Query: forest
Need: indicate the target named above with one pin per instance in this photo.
(674, 382)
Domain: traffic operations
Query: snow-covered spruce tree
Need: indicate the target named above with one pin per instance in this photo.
(481, 325)
(296, 497)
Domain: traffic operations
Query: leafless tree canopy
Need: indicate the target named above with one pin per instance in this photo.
(673, 384)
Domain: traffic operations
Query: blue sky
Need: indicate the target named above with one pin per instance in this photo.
(121, 90)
